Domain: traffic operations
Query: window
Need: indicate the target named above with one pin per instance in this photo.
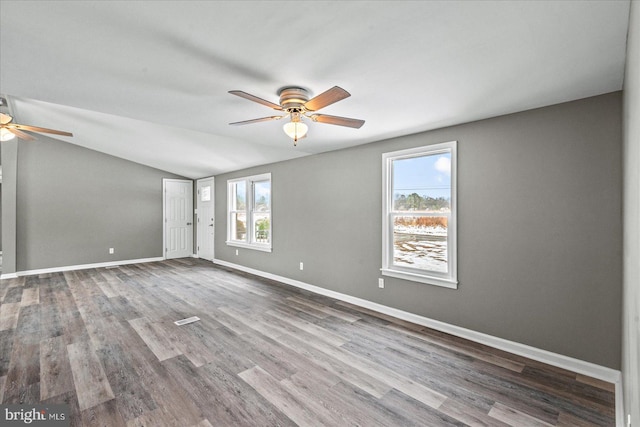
(419, 214)
(249, 212)
(205, 194)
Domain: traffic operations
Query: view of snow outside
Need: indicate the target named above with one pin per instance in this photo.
(421, 207)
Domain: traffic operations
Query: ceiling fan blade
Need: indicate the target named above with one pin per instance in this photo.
(263, 119)
(20, 134)
(42, 130)
(253, 98)
(336, 120)
(5, 118)
(334, 94)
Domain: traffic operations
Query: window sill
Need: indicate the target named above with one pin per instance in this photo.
(430, 280)
(257, 247)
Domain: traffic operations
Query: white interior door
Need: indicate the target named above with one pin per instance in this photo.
(206, 226)
(178, 218)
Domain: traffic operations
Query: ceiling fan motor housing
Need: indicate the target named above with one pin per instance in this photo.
(292, 99)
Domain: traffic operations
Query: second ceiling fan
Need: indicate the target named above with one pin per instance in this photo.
(9, 129)
(295, 102)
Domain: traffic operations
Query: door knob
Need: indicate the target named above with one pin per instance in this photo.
(188, 223)
(210, 225)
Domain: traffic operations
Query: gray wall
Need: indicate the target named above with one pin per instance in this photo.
(0, 216)
(9, 151)
(631, 287)
(74, 203)
(539, 226)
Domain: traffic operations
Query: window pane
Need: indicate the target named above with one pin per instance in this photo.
(261, 227)
(262, 196)
(239, 196)
(420, 242)
(422, 184)
(205, 194)
(238, 226)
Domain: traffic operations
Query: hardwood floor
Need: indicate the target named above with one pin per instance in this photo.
(103, 341)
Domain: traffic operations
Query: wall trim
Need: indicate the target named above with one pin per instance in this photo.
(620, 416)
(79, 267)
(565, 362)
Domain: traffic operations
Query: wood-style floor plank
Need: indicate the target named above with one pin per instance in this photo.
(102, 415)
(347, 317)
(596, 383)
(13, 295)
(294, 407)
(9, 313)
(568, 420)
(103, 342)
(156, 417)
(131, 397)
(337, 367)
(203, 423)
(55, 369)
(514, 417)
(189, 340)
(393, 379)
(155, 338)
(92, 387)
(466, 350)
(30, 296)
(469, 414)
(23, 376)
(223, 396)
(337, 401)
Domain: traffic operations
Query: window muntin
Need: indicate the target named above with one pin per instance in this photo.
(419, 214)
(249, 212)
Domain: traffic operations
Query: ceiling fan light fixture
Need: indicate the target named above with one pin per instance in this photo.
(6, 135)
(295, 130)
(295, 102)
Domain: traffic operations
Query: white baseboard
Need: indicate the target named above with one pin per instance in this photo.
(79, 267)
(574, 365)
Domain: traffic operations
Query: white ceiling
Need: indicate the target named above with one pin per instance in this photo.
(148, 80)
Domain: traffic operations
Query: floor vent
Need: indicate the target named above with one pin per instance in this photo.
(187, 320)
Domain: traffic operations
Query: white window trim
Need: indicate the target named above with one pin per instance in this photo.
(248, 244)
(448, 280)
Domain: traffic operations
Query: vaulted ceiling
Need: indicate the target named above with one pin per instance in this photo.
(148, 80)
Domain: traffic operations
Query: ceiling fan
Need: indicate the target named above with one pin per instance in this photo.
(9, 129)
(295, 103)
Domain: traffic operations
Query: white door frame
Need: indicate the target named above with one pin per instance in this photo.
(199, 235)
(164, 213)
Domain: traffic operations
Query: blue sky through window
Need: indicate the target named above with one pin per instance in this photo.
(425, 175)
(262, 189)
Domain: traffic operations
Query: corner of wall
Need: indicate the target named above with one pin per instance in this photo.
(631, 215)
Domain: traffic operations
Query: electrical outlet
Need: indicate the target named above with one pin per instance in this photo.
(111, 250)
(301, 265)
(237, 252)
(381, 283)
